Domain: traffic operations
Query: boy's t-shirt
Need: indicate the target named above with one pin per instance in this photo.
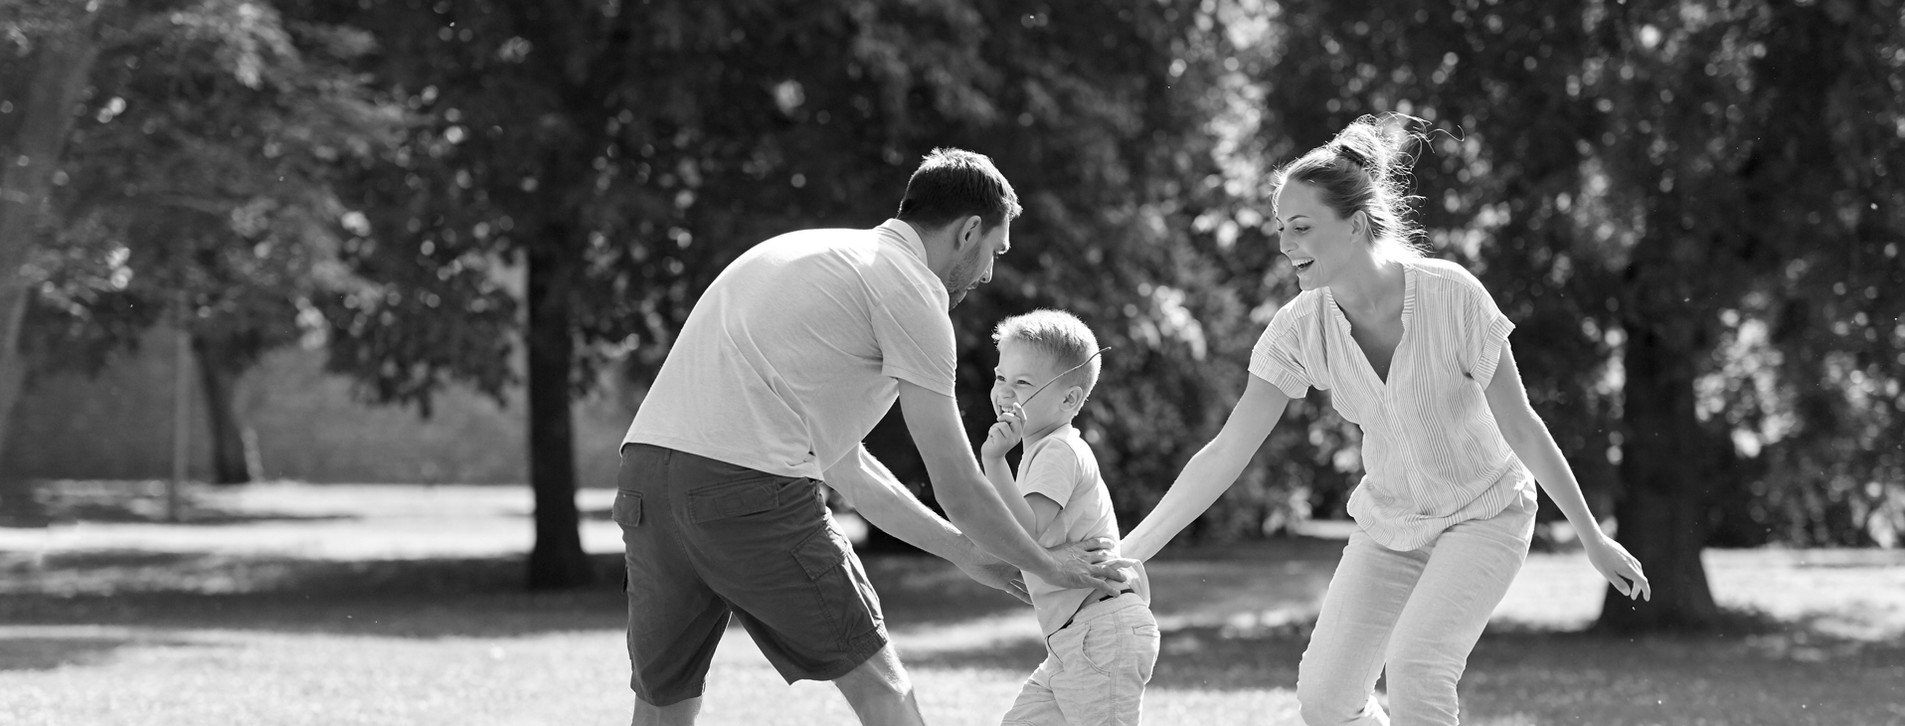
(1062, 468)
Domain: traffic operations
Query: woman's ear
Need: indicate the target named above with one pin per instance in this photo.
(1359, 223)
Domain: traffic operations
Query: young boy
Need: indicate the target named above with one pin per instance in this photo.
(1099, 648)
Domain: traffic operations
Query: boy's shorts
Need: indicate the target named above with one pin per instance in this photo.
(705, 539)
(1095, 667)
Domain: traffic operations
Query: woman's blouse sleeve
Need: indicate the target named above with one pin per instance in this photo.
(1486, 331)
(1277, 356)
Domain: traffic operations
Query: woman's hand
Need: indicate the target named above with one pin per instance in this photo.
(1621, 569)
(1004, 435)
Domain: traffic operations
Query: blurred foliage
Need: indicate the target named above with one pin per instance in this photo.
(1691, 209)
(202, 163)
(644, 146)
(197, 187)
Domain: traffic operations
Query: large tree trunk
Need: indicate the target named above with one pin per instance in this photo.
(1663, 514)
(557, 560)
(32, 137)
(219, 369)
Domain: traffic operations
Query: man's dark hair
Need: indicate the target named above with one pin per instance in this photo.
(952, 184)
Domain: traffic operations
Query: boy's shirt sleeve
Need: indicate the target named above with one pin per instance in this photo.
(1053, 472)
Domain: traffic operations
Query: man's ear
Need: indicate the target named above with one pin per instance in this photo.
(969, 232)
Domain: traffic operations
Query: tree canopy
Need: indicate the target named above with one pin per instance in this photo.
(1690, 210)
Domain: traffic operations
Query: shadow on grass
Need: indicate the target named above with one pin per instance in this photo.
(135, 502)
(421, 598)
(49, 652)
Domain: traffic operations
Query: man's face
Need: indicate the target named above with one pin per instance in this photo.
(974, 267)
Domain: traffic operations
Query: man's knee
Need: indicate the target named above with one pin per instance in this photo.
(881, 676)
(679, 713)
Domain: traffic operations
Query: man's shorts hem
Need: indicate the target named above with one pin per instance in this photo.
(865, 647)
(670, 700)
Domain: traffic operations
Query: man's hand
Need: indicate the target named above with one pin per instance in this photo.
(1004, 435)
(1089, 563)
(995, 573)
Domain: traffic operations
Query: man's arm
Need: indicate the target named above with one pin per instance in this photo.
(876, 494)
(976, 508)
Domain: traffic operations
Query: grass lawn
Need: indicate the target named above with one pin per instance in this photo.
(294, 604)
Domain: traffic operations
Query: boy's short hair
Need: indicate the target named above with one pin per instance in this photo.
(1062, 338)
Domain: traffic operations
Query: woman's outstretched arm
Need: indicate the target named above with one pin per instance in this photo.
(1212, 470)
(1532, 442)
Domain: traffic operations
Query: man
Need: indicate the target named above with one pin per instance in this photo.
(791, 356)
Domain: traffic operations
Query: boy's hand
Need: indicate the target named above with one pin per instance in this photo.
(1005, 434)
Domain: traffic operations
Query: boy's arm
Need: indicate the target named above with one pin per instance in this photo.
(1050, 474)
(1044, 512)
(999, 441)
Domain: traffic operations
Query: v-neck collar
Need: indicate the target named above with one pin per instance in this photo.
(1341, 321)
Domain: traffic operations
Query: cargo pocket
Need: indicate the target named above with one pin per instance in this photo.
(843, 598)
(735, 499)
(627, 510)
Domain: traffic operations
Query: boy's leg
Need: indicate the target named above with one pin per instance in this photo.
(1106, 657)
(1037, 705)
(1470, 568)
(880, 692)
(1336, 679)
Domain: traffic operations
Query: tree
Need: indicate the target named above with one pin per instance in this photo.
(50, 48)
(621, 155)
(196, 188)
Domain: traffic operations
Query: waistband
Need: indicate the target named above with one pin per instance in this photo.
(1104, 604)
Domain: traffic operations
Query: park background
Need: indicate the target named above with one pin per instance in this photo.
(311, 243)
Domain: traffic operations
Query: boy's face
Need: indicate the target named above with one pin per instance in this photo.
(1022, 369)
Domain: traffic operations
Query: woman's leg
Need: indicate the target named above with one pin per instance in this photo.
(1470, 568)
(1336, 680)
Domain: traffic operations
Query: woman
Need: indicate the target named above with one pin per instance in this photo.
(1415, 352)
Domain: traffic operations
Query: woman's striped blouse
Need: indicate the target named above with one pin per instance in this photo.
(1432, 454)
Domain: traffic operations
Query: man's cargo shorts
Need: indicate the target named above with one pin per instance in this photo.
(704, 539)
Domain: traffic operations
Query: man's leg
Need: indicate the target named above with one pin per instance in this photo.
(675, 621)
(880, 692)
(678, 714)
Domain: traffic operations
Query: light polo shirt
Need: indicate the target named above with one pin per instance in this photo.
(1433, 455)
(797, 349)
(1061, 467)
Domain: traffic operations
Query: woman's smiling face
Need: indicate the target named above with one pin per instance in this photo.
(1312, 235)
